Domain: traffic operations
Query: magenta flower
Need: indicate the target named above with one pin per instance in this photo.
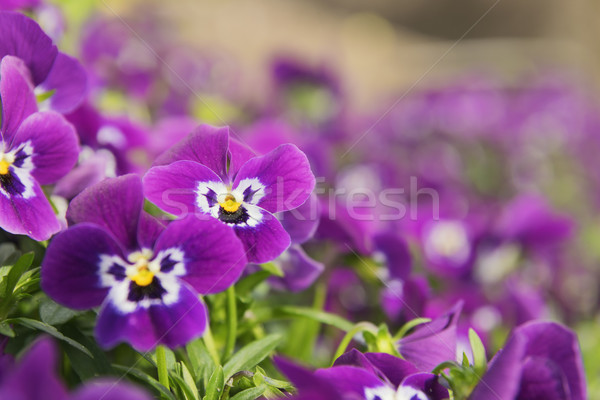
(36, 148)
(207, 173)
(145, 276)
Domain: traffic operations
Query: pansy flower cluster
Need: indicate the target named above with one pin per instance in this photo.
(150, 250)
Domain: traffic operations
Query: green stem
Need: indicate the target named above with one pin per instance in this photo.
(161, 365)
(231, 323)
(211, 347)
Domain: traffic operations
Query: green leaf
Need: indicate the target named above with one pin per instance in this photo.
(201, 361)
(40, 326)
(250, 282)
(250, 394)
(317, 315)
(144, 377)
(215, 385)
(189, 380)
(16, 271)
(272, 268)
(446, 364)
(410, 325)
(251, 354)
(53, 313)
(479, 357)
(6, 330)
(44, 95)
(188, 392)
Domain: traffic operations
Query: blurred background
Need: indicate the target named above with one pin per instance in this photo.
(492, 103)
(379, 47)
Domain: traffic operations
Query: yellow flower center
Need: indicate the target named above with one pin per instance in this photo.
(143, 276)
(4, 167)
(230, 205)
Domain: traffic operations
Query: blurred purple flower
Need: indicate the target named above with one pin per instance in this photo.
(49, 69)
(34, 377)
(541, 360)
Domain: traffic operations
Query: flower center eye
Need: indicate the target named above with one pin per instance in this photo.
(140, 271)
(230, 205)
(143, 277)
(4, 165)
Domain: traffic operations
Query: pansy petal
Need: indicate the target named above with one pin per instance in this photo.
(16, 95)
(37, 366)
(213, 255)
(428, 384)
(543, 379)
(396, 254)
(238, 154)
(22, 37)
(115, 204)
(432, 343)
(503, 377)
(310, 387)
(285, 174)
(32, 216)
(558, 344)
(54, 142)
(105, 389)
(173, 187)
(71, 267)
(206, 145)
(149, 230)
(145, 328)
(350, 380)
(68, 79)
(302, 222)
(266, 240)
(300, 271)
(393, 368)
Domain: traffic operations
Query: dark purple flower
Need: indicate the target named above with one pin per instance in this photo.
(49, 70)
(370, 376)
(34, 378)
(541, 360)
(145, 276)
(36, 148)
(210, 174)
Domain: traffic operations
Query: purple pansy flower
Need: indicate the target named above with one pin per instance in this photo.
(34, 378)
(18, 4)
(145, 276)
(541, 360)
(370, 376)
(49, 69)
(36, 148)
(207, 173)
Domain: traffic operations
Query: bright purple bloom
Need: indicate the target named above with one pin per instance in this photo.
(541, 360)
(207, 173)
(49, 70)
(36, 148)
(145, 276)
(370, 376)
(34, 378)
